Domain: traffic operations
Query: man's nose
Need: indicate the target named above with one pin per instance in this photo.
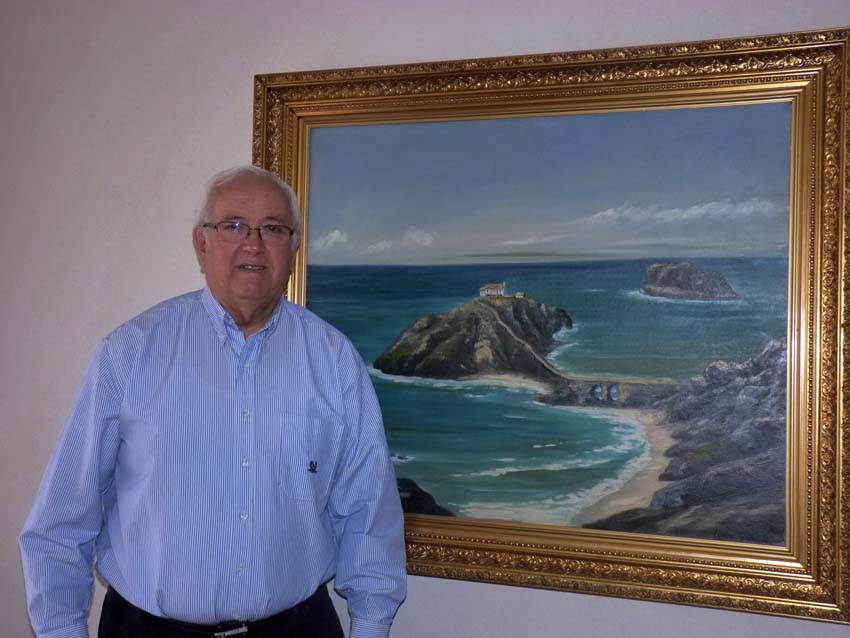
(254, 240)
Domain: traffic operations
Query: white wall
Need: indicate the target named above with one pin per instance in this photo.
(113, 114)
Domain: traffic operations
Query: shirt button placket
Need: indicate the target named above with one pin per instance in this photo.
(245, 435)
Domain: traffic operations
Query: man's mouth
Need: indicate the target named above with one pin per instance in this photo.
(253, 267)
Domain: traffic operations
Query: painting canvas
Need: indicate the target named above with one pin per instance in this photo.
(572, 320)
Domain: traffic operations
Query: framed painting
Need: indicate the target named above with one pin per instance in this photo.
(602, 297)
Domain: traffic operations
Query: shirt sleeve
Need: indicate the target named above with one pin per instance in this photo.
(366, 507)
(58, 538)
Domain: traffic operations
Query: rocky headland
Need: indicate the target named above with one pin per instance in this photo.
(484, 336)
(685, 281)
(727, 465)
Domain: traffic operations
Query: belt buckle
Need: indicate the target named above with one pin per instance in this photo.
(232, 632)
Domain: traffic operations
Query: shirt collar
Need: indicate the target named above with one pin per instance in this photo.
(220, 318)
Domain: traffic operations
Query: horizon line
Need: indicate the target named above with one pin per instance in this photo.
(549, 261)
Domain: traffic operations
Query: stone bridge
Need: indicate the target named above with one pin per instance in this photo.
(604, 392)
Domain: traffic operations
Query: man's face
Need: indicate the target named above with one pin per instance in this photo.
(249, 276)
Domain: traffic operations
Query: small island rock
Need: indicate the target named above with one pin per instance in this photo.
(686, 281)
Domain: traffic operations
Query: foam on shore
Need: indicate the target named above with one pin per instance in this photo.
(638, 491)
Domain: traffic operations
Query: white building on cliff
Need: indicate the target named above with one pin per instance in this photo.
(492, 290)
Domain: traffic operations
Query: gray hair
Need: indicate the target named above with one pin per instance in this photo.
(232, 174)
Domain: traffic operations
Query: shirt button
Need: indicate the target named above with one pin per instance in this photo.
(244, 464)
(245, 413)
(243, 516)
(239, 569)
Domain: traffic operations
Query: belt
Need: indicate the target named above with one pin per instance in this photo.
(220, 630)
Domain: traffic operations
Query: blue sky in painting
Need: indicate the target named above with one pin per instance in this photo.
(691, 182)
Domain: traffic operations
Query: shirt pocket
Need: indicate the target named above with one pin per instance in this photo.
(306, 458)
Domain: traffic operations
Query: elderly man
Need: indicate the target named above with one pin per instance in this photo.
(224, 460)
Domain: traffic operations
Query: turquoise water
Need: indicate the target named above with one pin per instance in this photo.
(491, 451)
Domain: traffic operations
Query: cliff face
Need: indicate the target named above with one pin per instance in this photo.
(487, 335)
(686, 281)
(728, 465)
(415, 500)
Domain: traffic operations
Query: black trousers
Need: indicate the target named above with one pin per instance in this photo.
(312, 618)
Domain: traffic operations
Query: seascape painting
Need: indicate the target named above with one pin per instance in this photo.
(574, 320)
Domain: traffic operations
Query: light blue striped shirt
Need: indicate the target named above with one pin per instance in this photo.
(218, 478)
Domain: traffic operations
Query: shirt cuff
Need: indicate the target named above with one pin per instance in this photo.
(366, 629)
(78, 630)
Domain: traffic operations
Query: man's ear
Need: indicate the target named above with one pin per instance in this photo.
(199, 241)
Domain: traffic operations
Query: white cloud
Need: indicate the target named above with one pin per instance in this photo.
(417, 237)
(657, 241)
(534, 240)
(333, 239)
(379, 247)
(413, 237)
(717, 211)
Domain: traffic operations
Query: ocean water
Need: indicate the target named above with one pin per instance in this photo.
(486, 450)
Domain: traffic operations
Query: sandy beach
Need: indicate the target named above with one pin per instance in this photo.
(639, 490)
(510, 381)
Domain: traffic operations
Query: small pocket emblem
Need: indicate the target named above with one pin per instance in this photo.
(313, 467)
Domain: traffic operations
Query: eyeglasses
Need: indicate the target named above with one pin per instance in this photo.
(236, 231)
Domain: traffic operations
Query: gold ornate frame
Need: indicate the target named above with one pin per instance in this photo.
(810, 576)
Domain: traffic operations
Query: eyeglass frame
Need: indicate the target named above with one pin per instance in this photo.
(250, 228)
